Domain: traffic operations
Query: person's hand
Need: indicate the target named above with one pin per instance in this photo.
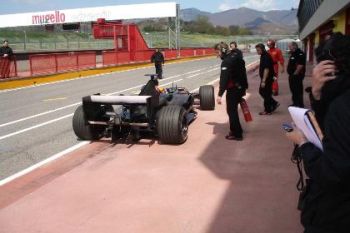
(263, 84)
(297, 137)
(218, 99)
(6, 55)
(322, 73)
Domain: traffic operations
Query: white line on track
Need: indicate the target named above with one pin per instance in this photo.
(46, 161)
(192, 76)
(40, 114)
(34, 127)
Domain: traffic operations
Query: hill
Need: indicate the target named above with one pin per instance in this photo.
(260, 22)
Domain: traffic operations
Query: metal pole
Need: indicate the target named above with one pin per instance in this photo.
(169, 25)
(178, 29)
(115, 38)
(25, 40)
(169, 37)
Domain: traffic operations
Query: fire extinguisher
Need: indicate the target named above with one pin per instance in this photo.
(245, 110)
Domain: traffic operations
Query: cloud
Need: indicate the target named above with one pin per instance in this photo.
(226, 5)
(262, 5)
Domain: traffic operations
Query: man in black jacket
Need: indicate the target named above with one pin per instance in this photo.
(5, 60)
(234, 49)
(158, 60)
(266, 73)
(233, 80)
(296, 71)
(326, 205)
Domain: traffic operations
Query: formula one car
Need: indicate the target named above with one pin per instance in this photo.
(164, 114)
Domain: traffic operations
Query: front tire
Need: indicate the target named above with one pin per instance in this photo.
(172, 125)
(207, 97)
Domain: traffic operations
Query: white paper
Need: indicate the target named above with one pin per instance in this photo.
(302, 122)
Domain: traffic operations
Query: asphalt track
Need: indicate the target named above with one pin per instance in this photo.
(36, 121)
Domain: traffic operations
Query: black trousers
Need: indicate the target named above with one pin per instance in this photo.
(159, 69)
(233, 98)
(296, 87)
(266, 93)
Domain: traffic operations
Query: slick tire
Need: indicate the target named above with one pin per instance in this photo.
(172, 125)
(82, 129)
(207, 97)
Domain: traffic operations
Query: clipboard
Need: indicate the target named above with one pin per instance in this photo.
(305, 120)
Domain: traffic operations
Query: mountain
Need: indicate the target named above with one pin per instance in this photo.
(191, 14)
(257, 23)
(260, 22)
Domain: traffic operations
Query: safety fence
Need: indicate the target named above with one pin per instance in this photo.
(8, 67)
(110, 58)
(47, 64)
(43, 64)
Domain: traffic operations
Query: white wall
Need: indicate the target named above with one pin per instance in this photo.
(121, 12)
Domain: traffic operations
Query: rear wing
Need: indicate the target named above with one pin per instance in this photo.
(99, 105)
(117, 100)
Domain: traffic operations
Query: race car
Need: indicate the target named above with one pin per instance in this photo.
(154, 113)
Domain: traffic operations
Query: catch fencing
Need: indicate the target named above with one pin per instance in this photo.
(55, 63)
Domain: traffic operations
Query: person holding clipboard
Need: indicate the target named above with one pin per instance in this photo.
(326, 200)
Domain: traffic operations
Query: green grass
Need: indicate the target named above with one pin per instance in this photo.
(40, 40)
(161, 39)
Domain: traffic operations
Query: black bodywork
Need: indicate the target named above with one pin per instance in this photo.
(118, 119)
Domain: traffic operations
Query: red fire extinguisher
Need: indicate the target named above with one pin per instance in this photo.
(245, 110)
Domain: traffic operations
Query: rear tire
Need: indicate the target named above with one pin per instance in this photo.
(172, 125)
(82, 129)
(207, 97)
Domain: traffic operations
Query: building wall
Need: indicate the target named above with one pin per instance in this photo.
(339, 26)
(327, 10)
(340, 22)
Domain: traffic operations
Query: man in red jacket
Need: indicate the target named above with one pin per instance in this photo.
(278, 59)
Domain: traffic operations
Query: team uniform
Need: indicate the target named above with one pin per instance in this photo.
(5, 62)
(158, 60)
(266, 92)
(233, 80)
(277, 57)
(296, 81)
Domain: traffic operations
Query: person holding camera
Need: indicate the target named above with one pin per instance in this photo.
(233, 80)
(296, 72)
(326, 200)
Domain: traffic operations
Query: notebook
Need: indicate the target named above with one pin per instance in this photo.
(305, 120)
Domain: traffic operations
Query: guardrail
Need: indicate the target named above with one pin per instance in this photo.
(110, 58)
(43, 64)
(54, 63)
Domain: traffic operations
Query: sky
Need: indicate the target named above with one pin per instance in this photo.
(21, 6)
